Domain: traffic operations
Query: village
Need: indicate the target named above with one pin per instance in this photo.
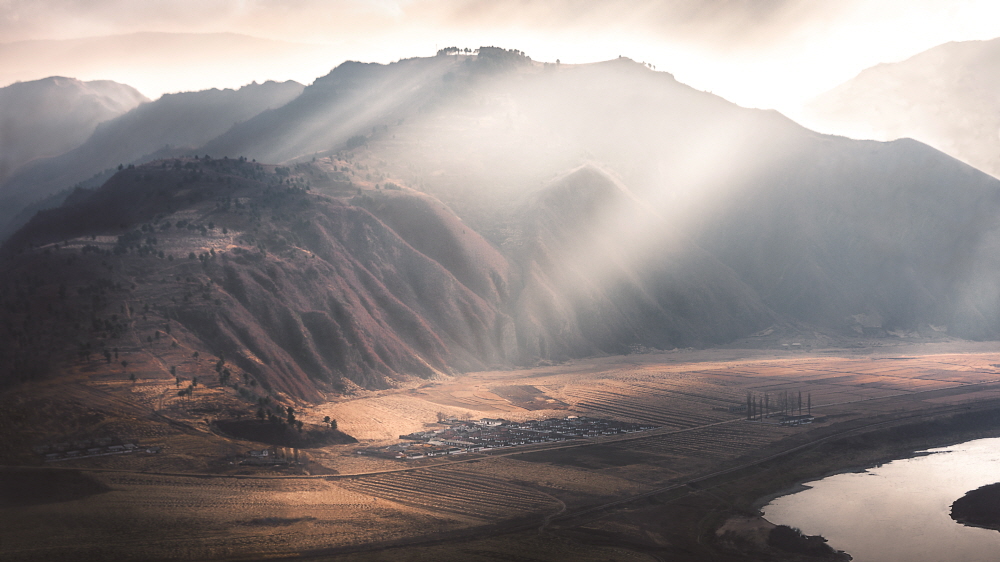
(486, 434)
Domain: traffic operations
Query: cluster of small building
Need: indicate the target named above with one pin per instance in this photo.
(486, 434)
(276, 456)
(86, 449)
(796, 420)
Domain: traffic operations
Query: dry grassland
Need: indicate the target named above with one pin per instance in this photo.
(167, 517)
(369, 501)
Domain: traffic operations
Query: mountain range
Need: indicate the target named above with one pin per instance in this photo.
(473, 211)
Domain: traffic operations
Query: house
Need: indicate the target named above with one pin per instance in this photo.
(490, 422)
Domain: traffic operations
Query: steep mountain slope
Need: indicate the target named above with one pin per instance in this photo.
(839, 228)
(564, 211)
(175, 121)
(50, 116)
(823, 229)
(483, 132)
(603, 273)
(945, 97)
(304, 293)
(353, 98)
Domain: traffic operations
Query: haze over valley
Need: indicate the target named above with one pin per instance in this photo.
(469, 305)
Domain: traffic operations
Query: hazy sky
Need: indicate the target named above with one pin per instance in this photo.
(761, 53)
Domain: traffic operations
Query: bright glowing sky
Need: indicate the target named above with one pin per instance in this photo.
(758, 53)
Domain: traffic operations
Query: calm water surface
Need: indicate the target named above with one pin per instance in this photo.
(900, 511)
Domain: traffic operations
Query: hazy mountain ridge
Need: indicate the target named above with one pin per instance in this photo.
(175, 122)
(945, 96)
(50, 116)
(162, 62)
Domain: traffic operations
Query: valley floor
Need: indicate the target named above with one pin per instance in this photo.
(661, 494)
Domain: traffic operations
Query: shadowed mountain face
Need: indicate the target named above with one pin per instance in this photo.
(174, 122)
(561, 212)
(50, 116)
(945, 97)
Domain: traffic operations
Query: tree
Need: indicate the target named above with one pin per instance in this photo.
(326, 419)
(124, 365)
(333, 424)
(131, 377)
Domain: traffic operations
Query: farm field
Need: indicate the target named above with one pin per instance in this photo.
(189, 503)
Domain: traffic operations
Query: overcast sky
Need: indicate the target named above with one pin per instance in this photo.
(760, 53)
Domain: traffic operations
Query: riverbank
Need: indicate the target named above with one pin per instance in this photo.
(747, 493)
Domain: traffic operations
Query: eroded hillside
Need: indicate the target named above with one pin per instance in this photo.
(304, 293)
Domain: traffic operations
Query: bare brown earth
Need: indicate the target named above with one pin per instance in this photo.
(662, 494)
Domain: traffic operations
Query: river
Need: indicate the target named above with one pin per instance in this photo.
(900, 511)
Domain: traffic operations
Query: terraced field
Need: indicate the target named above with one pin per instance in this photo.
(714, 443)
(454, 491)
(646, 403)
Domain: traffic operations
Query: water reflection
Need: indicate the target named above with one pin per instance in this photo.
(900, 511)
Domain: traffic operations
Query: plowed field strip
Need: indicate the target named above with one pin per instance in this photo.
(640, 415)
(687, 413)
(453, 492)
(714, 441)
(445, 496)
(645, 412)
(722, 396)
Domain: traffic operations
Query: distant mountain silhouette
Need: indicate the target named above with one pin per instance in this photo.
(158, 62)
(50, 116)
(174, 122)
(945, 97)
